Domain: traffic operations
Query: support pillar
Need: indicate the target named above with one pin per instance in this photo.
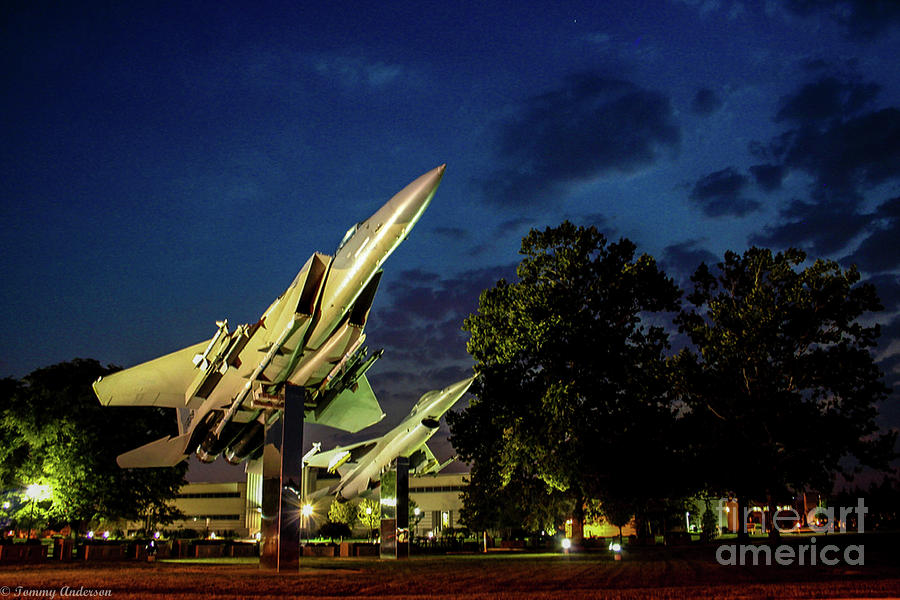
(280, 528)
(395, 510)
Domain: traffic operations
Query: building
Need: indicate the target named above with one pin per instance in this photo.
(213, 508)
(438, 499)
(234, 509)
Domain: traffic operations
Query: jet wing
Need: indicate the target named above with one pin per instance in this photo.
(424, 462)
(425, 459)
(159, 382)
(342, 458)
(164, 452)
(350, 410)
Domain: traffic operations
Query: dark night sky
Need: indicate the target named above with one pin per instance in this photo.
(170, 165)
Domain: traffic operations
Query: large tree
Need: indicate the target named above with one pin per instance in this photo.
(61, 437)
(571, 393)
(782, 385)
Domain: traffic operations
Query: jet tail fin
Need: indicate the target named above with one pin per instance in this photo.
(164, 452)
(352, 410)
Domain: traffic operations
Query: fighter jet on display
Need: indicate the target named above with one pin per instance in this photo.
(309, 341)
(361, 465)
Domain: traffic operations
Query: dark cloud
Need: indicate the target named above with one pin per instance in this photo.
(889, 333)
(598, 220)
(516, 224)
(888, 286)
(825, 99)
(588, 127)
(880, 251)
(822, 228)
(861, 18)
(424, 320)
(705, 102)
(455, 233)
(826, 228)
(682, 259)
(425, 344)
(846, 152)
(719, 194)
(843, 156)
(430, 296)
(516, 227)
(418, 275)
(864, 151)
(768, 177)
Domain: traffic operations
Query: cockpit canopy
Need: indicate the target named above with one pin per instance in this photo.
(347, 236)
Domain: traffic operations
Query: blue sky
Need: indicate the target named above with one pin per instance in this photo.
(170, 165)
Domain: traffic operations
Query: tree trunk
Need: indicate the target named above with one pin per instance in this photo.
(578, 521)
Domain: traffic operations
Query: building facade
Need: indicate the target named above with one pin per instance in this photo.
(234, 509)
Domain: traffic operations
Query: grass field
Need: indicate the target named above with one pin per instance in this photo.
(655, 573)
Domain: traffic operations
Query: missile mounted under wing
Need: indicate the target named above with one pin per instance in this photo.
(310, 342)
(361, 465)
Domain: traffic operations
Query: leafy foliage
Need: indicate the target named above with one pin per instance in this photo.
(58, 434)
(570, 374)
(342, 512)
(368, 513)
(332, 530)
(782, 385)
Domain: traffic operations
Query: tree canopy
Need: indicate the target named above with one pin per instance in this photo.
(578, 398)
(55, 433)
(780, 377)
(571, 394)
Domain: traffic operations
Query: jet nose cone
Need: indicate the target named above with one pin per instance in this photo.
(456, 390)
(409, 203)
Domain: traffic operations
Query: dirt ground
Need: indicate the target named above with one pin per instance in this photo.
(647, 573)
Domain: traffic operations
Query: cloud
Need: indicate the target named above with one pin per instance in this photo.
(705, 102)
(768, 177)
(888, 286)
(501, 234)
(587, 127)
(354, 71)
(845, 156)
(719, 194)
(423, 321)
(455, 233)
(827, 98)
(682, 259)
(598, 220)
(880, 251)
(824, 229)
(860, 18)
(431, 296)
(847, 152)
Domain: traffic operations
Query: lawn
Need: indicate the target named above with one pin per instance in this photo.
(655, 573)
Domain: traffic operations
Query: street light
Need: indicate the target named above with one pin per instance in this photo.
(306, 510)
(34, 492)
